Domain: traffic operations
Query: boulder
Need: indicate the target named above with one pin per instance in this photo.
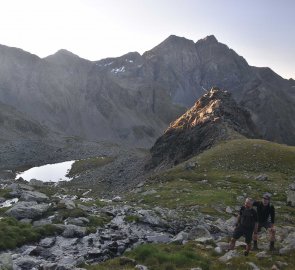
(158, 237)
(198, 232)
(6, 261)
(74, 231)
(228, 256)
(27, 262)
(33, 196)
(30, 210)
(288, 244)
(261, 177)
(47, 242)
(69, 204)
(80, 221)
(141, 267)
(37, 183)
(291, 195)
(150, 217)
(180, 237)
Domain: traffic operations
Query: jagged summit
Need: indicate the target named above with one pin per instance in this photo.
(214, 117)
(210, 39)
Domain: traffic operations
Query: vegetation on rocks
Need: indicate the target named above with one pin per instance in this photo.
(14, 233)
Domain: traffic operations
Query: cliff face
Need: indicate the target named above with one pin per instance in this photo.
(134, 97)
(214, 117)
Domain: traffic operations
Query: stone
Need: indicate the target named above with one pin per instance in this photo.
(198, 232)
(288, 244)
(262, 255)
(6, 261)
(74, 231)
(158, 238)
(223, 246)
(150, 217)
(261, 177)
(29, 210)
(35, 196)
(180, 237)
(228, 210)
(69, 204)
(26, 262)
(37, 183)
(190, 165)
(291, 195)
(80, 221)
(149, 192)
(228, 256)
(117, 199)
(141, 267)
(42, 222)
(204, 240)
(253, 265)
(47, 242)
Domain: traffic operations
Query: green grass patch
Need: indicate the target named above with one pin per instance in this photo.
(14, 233)
(131, 218)
(83, 165)
(160, 257)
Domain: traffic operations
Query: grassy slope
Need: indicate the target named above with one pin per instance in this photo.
(229, 169)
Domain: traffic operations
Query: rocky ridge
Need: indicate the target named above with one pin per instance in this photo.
(215, 117)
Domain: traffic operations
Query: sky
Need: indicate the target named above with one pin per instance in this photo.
(262, 31)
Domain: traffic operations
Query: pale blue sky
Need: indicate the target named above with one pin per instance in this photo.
(262, 31)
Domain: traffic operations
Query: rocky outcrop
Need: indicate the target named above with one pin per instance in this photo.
(30, 210)
(214, 117)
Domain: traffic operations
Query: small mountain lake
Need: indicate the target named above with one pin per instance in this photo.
(48, 173)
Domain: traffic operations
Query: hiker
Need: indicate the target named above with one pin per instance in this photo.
(246, 224)
(266, 219)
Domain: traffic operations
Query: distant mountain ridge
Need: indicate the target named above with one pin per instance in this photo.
(134, 97)
(215, 117)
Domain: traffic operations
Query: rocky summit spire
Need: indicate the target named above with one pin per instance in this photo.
(214, 117)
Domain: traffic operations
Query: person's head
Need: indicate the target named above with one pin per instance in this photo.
(266, 199)
(248, 203)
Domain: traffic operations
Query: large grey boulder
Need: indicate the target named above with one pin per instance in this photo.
(33, 196)
(29, 210)
(150, 217)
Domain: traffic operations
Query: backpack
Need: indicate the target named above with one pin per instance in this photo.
(248, 218)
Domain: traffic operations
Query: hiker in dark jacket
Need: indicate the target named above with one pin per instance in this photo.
(246, 224)
(266, 219)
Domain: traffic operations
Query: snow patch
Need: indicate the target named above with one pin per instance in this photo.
(8, 203)
(117, 70)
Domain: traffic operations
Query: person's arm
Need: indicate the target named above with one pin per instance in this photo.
(239, 217)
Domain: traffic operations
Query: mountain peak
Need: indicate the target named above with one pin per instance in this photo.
(64, 53)
(215, 117)
(210, 39)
